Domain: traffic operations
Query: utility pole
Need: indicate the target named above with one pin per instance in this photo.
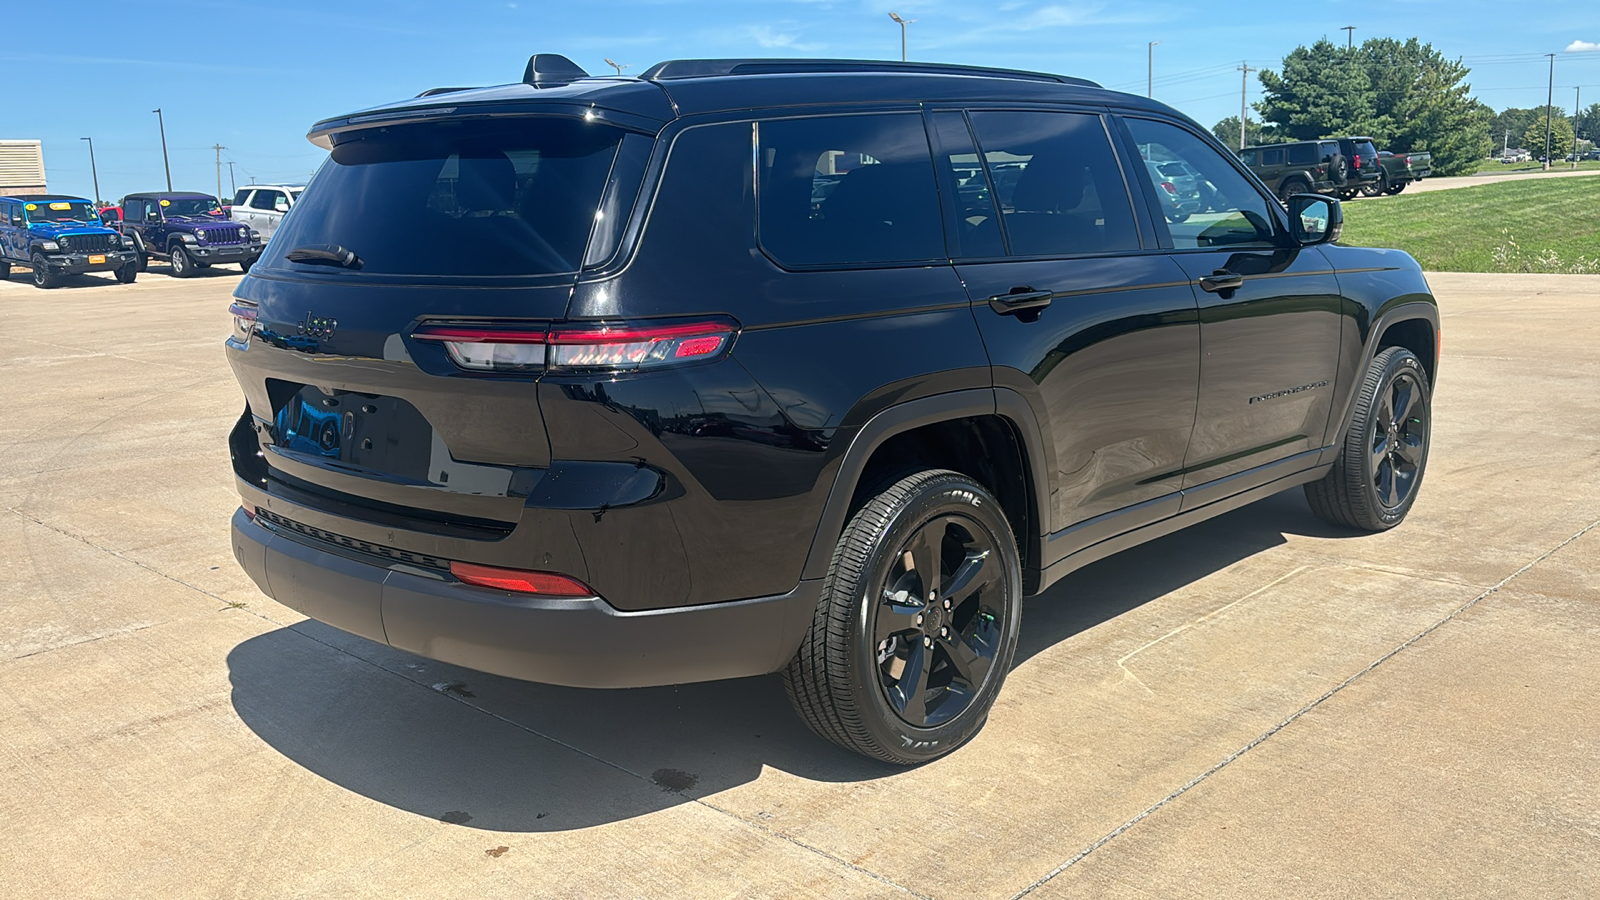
(219, 148)
(1549, 105)
(233, 186)
(1577, 110)
(94, 172)
(1150, 81)
(1244, 104)
(1349, 37)
(902, 23)
(160, 119)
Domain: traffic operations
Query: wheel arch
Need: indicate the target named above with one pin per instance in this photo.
(989, 435)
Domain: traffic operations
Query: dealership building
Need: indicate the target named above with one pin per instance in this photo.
(22, 168)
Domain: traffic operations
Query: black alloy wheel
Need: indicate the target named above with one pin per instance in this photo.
(936, 624)
(1290, 188)
(917, 625)
(1375, 480)
(42, 277)
(1376, 188)
(182, 267)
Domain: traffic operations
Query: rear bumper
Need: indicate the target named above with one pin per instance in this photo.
(573, 642)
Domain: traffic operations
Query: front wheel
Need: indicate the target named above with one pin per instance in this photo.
(5, 270)
(244, 266)
(917, 624)
(182, 266)
(1375, 480)
(42, 277)
(128, 273)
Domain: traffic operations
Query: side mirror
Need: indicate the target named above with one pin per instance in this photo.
(1315, 219)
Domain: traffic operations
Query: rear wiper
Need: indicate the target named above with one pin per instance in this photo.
(324, 255)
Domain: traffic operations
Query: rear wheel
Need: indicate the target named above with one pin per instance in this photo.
(1375, 480)
(1291, 187)
(182, 266)
(917, 624)
(1396, 188)
(42, 277)
(1375, 188)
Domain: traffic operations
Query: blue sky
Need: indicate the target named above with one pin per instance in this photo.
(254, 75)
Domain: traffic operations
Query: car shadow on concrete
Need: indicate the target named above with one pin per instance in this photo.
(486, 752)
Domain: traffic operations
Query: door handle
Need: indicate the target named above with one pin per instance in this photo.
(1020, 300)
(1221, 280)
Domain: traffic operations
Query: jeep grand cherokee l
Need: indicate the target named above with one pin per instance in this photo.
(732, 368)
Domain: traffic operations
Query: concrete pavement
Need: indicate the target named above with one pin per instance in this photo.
(1259, 706)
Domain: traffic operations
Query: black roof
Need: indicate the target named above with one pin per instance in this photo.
(173, 195)
(679, 88)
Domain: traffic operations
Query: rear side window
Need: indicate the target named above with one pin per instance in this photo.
(1058, 184)
(265, 199)
(847, 190)
(241, 197)
(1273, 157)
(512, 198)
(1302, 154)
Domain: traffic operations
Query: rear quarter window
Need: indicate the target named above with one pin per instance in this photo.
(1302, 154)
(510, 198)
(1273, 157)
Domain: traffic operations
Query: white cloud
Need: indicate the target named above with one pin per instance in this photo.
(1583, 47)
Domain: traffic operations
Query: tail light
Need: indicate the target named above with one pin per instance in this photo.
(568, 347)
(244, 322)
(1167, 186)
(1357, 162)
(547, 584)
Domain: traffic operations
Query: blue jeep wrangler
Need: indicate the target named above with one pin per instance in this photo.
(57, 236)
(189, 230)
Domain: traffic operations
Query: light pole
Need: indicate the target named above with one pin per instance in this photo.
(902, 23)
(1549, 107)
(616, 65)
(1150, 72)
(94, 172)
(162, 121)
(1577, 110)
(1349, 37)
(1244, 106)
(233, 186)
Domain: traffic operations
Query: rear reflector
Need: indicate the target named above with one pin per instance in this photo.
(249, 510)
(546, 584)
(623, 347)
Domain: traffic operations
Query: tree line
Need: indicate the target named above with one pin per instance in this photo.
(1405, 95)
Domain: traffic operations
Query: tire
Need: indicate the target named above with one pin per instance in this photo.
(1375, 480)
(245, 266)
(1177, 215)
(141, 259)
(128, 273)
(182, 266)
(1338, 169)
(1291, 187)
(1396, 188)
(1376, 188)
(41, 272)
(875, 628)
(5, 270)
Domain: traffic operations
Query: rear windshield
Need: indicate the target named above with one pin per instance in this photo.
(500, 199)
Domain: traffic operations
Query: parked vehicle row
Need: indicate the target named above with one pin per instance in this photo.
(1339, 167)
(56, 235)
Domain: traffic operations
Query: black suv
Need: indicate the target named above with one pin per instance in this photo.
(1338, 166)
(801, 366)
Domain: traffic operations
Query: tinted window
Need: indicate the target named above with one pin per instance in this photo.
(239, 198)
(1273, 157)
(1218, 207)
(505, 198)
(1057, 181)
(848, 189)
(1250, 157)
(1303, 154)
(977, 223)
(266, 199)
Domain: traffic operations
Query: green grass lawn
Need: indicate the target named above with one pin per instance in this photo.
(1496, 167)
(1532, 225)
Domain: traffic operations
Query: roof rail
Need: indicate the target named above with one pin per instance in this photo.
(706, 68)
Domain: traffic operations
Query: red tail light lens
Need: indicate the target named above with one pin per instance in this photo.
(629, 348)
(547, 584)
(625, 347)
(1167, 186)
